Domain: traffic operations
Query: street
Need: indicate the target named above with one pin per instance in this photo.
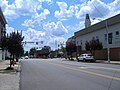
(57, 74)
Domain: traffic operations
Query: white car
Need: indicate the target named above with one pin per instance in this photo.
(26, 57)
(85, 57)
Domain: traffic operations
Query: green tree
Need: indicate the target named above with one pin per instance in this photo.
(70, 48)
(32, 52)
(26, 53)
(14, 46)
(93, 45)
(62, 49)
(47, 48)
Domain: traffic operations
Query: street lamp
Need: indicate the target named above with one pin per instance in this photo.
(108, 49)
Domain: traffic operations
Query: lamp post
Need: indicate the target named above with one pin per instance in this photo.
(108, 49)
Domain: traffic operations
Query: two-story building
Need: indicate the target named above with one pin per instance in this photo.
(107, 31)
(2, 33)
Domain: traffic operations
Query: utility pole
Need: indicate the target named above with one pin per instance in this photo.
(108, 49)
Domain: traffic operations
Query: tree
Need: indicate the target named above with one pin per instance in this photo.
(26, 53)
(63, 49)
(32, 52)
(93, 45)
(70, 48)
(47, 48)
(15, 46)
(13, 43)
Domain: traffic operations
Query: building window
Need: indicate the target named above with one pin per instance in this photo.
(105, 37)
(110, 38)
(77, 42)
(117, 32)
(97, 37)
(93, 37)
(81, 42)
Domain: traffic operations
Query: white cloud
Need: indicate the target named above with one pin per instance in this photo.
(64, 12)
(76, 27)
(9, 29)
(96, 8)
(3, 4)
(102, 10)
(25, 7)
(32, 35)
(93, 7)
(48, 1)
(8, 10)
(83, 11)
(42, 15)
(55, 29)
(18, 8)
(22, 8)
(114, 7)
(115, 3)
(36, 19)
(59, 29)
(29, 23)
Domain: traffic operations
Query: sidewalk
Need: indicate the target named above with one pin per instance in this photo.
(106, 62)
(9, 79)
(97, 61)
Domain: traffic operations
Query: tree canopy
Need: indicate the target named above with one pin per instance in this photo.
(70, 48)
(15, 46)
(32, 52)
(13, 43)
(93, 45)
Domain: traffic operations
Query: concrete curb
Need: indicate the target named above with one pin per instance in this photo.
(9, 79)
(98, 61)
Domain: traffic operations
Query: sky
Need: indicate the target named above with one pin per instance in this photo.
(53, 21)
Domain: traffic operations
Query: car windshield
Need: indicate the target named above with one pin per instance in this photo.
(90, 55)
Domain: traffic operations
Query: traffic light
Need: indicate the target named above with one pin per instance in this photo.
(36, 43)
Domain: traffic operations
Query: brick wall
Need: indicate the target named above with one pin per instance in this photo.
(102, 54)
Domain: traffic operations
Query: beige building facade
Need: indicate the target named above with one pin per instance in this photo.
(2, 33)
(108, 32)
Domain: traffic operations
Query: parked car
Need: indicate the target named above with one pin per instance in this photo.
(26, 57)
(85, 57)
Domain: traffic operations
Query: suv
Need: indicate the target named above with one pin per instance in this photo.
(85, 57)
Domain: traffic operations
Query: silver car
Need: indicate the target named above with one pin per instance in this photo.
(85, 57)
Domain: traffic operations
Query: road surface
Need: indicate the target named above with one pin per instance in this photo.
(56, 74)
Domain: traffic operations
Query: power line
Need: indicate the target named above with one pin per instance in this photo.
(97, 9)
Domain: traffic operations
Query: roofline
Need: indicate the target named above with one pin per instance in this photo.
(2, 16)
(110, 21)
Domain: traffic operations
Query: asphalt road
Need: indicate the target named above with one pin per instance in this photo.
(55, 74)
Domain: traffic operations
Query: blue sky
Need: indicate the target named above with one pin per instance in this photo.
(53, 21)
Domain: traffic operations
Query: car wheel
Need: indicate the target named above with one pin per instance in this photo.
(78, 60)
(84, 60)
